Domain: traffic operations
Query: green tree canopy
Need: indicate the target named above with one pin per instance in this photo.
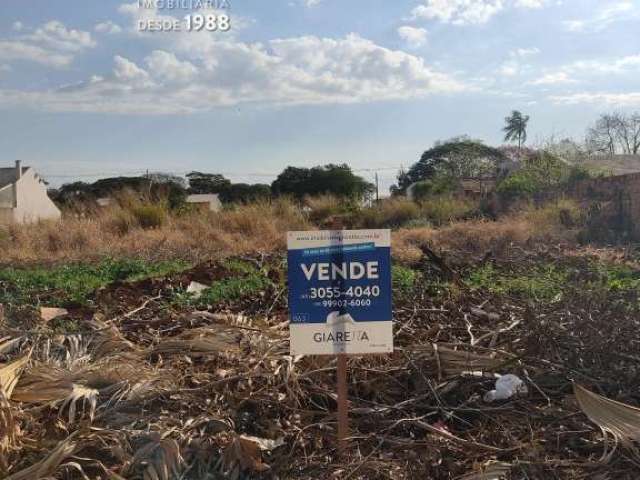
(457, 158)
(200, 182)
(333, 179)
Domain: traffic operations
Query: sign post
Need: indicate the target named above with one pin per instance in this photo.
(340, 299)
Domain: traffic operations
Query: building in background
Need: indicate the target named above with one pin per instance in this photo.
(206, 201)
(23, 196)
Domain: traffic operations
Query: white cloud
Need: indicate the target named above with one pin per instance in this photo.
(604, 17)
(585, 69)
(107, 27)
(312, 3)
(289, 71)
(52, 45)
(553, 79)
(18, 50)
(514, 65)
(524, 52)
(17, 26)
(468, 12)
(128, 71)
(167, 66)
(618, 65)
(599, 98)
(415, 37)
(55, 36)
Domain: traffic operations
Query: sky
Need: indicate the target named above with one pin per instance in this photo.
(87, 90)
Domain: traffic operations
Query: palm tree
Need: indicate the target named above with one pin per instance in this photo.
(516, 128)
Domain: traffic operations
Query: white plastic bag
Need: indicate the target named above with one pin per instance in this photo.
(506, 387)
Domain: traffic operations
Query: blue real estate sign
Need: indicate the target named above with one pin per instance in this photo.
(340, 291)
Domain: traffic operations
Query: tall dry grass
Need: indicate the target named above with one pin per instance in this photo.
(150, 231)
(136, 227)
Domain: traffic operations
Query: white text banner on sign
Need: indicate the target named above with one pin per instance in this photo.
(340, 292)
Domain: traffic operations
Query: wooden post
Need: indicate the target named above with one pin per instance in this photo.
(343, 406)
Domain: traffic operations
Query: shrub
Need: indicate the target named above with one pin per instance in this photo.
(322, 207)
(150, 216)
(437, 185)
(562, 213)
(388, 213)
(441, 210)
(517, 185)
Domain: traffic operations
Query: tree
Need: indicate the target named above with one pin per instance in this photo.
(245, 193)
(516, 128)
(332, 179)
(207, 182)
(615, 133)
(601, 137)
(454, 159)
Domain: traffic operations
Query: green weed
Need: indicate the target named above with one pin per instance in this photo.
(543, 282)
(248, 281)
(73, 283)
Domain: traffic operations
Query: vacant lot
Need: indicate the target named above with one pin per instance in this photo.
(139, 378)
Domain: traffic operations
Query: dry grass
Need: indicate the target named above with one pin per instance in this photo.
(118, 231)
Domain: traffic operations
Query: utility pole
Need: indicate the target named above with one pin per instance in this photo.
(377, 190)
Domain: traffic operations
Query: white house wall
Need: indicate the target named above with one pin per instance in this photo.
(33, 202)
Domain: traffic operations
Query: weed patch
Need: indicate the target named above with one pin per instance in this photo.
(544, 282)
(74, 283)
(245, 281)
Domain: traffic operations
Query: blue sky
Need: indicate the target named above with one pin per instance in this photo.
(372, 83)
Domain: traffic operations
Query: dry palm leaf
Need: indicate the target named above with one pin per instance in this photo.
(244, 453)
(47, 467)
(110, 341)
(9, 430)
(44, 384)
(199, 342)
(455, 362)
(490, 471)
(49, 313)
(160, 459)
(87, 395)
(617, 419)
(47, 385)
(9, 375)
(8, 344)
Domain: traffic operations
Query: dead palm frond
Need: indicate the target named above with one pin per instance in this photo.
(199, 342)
(55, 386)
(109, 341)
(9, 375)
(160, 459)
(243, 454)
(9, 431)
(619, 420)
(47, 467)
(490, 471)
(452, 362)
(89, 397)
(8, 344)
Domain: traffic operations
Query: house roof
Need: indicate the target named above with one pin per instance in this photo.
(8, 175)
(202, 198)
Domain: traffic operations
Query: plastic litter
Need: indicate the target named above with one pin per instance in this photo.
(196, 289)
(506, 387)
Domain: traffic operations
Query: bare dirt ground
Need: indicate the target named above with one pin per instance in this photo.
(143, 380)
